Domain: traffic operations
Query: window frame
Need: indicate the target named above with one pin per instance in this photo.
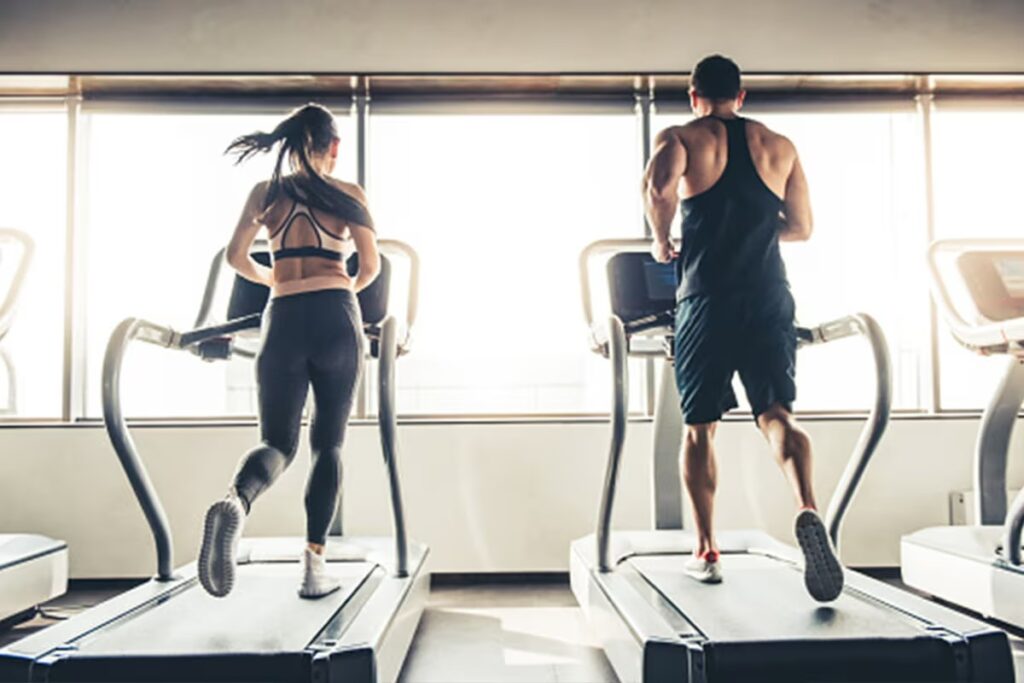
(784, 93)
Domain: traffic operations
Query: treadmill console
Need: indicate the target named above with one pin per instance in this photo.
(643, 291)
(995, 281)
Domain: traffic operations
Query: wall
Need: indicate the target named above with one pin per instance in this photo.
(486, 497)
(508, 35)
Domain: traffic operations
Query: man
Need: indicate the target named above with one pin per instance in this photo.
(743, 190)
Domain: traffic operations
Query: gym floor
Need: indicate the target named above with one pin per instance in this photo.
(478, 631)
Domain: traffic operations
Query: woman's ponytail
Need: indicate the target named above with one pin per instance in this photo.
(308, 128)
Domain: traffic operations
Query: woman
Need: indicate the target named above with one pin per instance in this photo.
(312, 334)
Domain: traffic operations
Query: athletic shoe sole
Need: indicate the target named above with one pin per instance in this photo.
(306, 593)
(823, 575)
(710, 576)
(217, 553)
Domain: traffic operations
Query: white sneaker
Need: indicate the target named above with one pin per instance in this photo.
(316, 582)
(706, 568)
(221, 531)
(823, 574)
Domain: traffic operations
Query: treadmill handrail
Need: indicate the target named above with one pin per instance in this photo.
(878, 418)
(597, 248)
(117, 429)
(990, 335)
(387, 423)
(10, 301)
(1014, 526)
(391, 247)
(618, 355)
(197, 336)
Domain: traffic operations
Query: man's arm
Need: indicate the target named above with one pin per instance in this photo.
(661, 189)
(797, 223)
(248, 227)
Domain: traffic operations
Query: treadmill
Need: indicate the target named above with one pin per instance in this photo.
(979, 567)
(33, 568)
(169, 629)
(656, 624)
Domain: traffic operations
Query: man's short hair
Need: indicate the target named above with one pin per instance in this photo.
(716, 78)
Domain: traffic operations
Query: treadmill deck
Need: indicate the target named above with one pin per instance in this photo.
(655, 624)
(759, 585)
(262, 614)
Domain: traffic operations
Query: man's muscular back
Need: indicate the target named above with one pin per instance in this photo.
(775, 158)
(707, 154)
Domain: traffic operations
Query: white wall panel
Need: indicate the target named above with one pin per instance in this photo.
(486, 497)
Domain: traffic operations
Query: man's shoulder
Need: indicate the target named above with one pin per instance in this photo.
(686, 133)
(769, 138)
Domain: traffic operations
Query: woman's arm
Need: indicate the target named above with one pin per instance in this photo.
(365, 239)
(369, 257)
(248, 227)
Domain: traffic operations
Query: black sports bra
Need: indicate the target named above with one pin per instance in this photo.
(341, 245)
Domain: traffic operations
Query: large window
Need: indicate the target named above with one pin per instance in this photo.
(160, 200)
(33, 200)
(977, 174)
(499, 208)
(865, 171)
(499, 198)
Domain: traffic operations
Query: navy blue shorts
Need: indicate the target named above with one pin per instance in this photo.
(752, 333)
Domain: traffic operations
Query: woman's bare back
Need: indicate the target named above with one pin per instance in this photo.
(295, 227)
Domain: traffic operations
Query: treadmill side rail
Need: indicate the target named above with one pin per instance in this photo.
(373, 647)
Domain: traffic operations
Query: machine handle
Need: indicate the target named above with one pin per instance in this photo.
(10, 302)
(596, 249)
(974, 336)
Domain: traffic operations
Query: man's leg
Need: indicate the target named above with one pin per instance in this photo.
(792, 449)
(768, 371)
(700, 475)
(703, 377)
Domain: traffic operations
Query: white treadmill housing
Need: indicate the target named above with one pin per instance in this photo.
(979, 567)
(33, 569)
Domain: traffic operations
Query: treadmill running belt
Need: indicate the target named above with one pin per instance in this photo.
(760, 624)
(761, 598)
(262, 614)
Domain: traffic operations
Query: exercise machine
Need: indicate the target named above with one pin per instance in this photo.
(33, 568)
(169, 629)
(759, 624)
(979, 566)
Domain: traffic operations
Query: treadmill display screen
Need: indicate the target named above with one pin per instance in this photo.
(995, 282)
(660, 279)
(1011, 272)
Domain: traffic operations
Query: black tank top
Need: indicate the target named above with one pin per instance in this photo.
(731, 231)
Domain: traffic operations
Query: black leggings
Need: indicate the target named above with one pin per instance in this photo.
(311, 338)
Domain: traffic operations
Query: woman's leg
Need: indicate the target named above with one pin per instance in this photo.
(283, 381)
(283, 385)
(334, 373)
(334, 389)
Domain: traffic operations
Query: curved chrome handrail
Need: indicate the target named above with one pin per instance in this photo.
(878, 418)
(124, 446)
(618, 354)
(388, 425)
(10, 302)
